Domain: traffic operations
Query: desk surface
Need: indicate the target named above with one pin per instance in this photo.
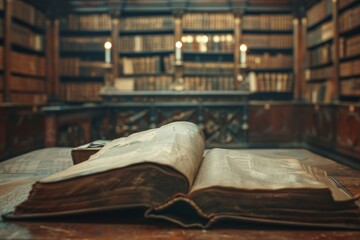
(18, 174)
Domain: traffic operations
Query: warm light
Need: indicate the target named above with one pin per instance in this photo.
(108, 45)
(216, 39)
(204, 38)
(178, 44)
(243, 48)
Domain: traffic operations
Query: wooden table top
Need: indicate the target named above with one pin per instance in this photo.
(18, 174)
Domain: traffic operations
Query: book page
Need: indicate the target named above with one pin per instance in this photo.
(179, 145)
(247, 170)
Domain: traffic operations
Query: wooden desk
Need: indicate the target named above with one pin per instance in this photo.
(17, 175)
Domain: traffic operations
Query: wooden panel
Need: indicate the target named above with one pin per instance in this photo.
(348, 131)
(272, 124)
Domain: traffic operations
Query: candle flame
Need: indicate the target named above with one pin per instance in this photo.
(108, 45)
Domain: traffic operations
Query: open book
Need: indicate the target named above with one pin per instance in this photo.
(165, 170)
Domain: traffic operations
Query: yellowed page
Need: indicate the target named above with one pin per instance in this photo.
(179, 145)
(247, 170)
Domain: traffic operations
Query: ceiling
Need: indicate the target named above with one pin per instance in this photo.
(161, 6)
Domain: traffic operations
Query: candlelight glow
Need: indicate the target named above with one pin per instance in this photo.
(178, 44)
(108, 45)
(243, 48)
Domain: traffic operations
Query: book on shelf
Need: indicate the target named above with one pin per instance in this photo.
(83, 152)
(321, 56)
(350, 47)
(124, 84)
(83, 43)
(349, 19)
(26, 84)
(350, 87)
(267, 22)
(24, 37)
(140, 65)
(267, 41)
(350, 68)
(319, 11)
(81, 91)
(320, 34)
(76, 67)
(153, 83)
(147, 23)
(28, 13)
(271, 82)
(221, 68)
(86, 22)
(267, 61)
(28, 98)
(27, 64)
(319, 92)
(319, 74)
(206, 83)
(167, 172)
(208, 42)
(138, 43)
(214, 21)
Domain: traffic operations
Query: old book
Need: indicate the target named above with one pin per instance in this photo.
(82, 153)
(165, 171)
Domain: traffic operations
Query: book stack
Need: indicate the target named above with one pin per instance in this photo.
(147, 23)
(209, 83)
(350, 47)
(128, 44)
(268, 41)
(320, 34)
(319, 12)
(89, 22)
(267, 22)
(350, 68)
(27, 13)
(267, 61)
(321, 56)
(24, 84)
(75, 67)
(81, 92)
(140, 65)
(26, 38)
(208, 43)
(209, 68)
(214, 21)
(319, 74)
(272, 82)
(82, 43)
(28, 64)
(350, 87)
(350, 20)
(153, 83)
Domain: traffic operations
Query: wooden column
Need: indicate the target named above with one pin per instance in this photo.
(237, 41)
(53, 59)
(336, 83)
(7, 50)
(115, 32)
(299, 58)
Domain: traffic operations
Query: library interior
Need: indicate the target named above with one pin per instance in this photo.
(271, 80)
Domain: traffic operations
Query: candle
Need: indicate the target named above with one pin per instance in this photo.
(243, 49)
(107, 47)
(178, 46)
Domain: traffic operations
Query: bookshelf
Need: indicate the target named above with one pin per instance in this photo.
(269, 38)
(22, 37)
(82, 60)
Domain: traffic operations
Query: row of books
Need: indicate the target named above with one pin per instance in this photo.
(27, 64)
(319, 92)
(208, 43)
(76, 67)
(350, 87)
(153, 83)
(89, 22)
(209, 68)
(267, 61)
(319, 11)
(318, 74)
(28, 13)
(82, 43)
(271, 82)
(209, 83)
(350, 19)
(268, 41)
(350, 47)
(345, 3)
(350, 68)
(24, 37)
(320, 56)
(80, 92)
(267, 22)
(320, 34)
(28, 98)
(146, 43)
(140, 65)
(25, 84)
(208, 21)
(147, 23)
